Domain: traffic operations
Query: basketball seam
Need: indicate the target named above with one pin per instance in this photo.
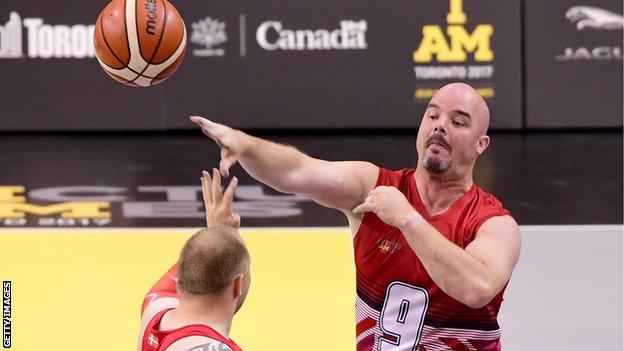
(120, 77)
(113, 52)
(177, 46)
(127, 37)
(162, 34)
(178, 58)
(111, 70)
(136, 24)
(109, 47)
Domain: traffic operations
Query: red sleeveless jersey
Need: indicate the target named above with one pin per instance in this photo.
(158, 340)
(398, 305)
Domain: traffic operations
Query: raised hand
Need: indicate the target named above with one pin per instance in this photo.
(218, 203)
(229, 140)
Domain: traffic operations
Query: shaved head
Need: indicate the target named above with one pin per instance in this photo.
(465, 96)
(452, 133)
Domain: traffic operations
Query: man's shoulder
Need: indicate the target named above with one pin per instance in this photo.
(394, 177)
(487, 199)
(200, 343)
(484, 206)
(152, 309)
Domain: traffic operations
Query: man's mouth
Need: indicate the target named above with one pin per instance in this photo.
(438, 143)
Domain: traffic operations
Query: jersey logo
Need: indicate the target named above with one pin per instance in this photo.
(153, 341)
(387, 246)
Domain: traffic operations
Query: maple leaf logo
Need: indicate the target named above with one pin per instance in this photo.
(208, 32)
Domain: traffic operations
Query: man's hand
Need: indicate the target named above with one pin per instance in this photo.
(390, 205)
(219, 204)
(228, 139)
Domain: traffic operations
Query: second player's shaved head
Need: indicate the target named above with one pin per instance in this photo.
(210, 259)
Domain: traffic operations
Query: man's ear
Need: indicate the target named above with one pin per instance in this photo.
(237, 285)
(482, 144)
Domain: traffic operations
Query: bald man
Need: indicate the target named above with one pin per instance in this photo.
(433, 252)
(192, 306)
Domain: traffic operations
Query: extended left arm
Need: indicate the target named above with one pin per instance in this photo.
(472, 276)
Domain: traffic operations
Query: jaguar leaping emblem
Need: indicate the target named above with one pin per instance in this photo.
(593, 17)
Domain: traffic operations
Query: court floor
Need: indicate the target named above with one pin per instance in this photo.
(81, 289)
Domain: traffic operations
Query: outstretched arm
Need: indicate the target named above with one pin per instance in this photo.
(339, 185)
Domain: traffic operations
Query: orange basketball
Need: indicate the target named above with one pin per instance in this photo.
(140, 42)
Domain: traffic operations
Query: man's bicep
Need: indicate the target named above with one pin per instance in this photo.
(339, 185)
(497, 245)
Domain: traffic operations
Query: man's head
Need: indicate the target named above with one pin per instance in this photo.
(214, 263)
(452, 133)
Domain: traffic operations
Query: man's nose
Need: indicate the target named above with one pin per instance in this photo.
(439, 126)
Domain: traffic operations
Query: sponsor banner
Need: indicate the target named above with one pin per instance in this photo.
(574, 63)
(474, 42)
(145, 206)
(265, 65)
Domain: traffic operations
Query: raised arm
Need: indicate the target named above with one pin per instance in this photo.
(218, 213)
(218, 203)
(339, 185)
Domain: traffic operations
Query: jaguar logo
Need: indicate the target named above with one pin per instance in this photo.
(593, 17)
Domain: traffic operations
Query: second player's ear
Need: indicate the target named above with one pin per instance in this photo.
(237, 285)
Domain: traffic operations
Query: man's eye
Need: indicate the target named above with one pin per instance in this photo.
(457, 123)
(433, 116)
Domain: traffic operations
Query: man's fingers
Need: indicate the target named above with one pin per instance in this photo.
(237, 220)
(364, 207)
(214, 131)
(221, 135)
(201, 121)
(217, 195)
(206, 125)
(225, 164)
(228, 195)
(206, 182)
(228, 159)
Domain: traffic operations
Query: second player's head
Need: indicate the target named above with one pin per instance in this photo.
(214, 263)
(452, 133)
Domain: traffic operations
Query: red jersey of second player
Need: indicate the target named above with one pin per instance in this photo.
(158, 340)
(399, 307)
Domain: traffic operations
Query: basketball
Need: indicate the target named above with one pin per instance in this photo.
(140, 42)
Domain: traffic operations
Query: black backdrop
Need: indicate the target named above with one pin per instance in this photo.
(574, 63)
(370, 81)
